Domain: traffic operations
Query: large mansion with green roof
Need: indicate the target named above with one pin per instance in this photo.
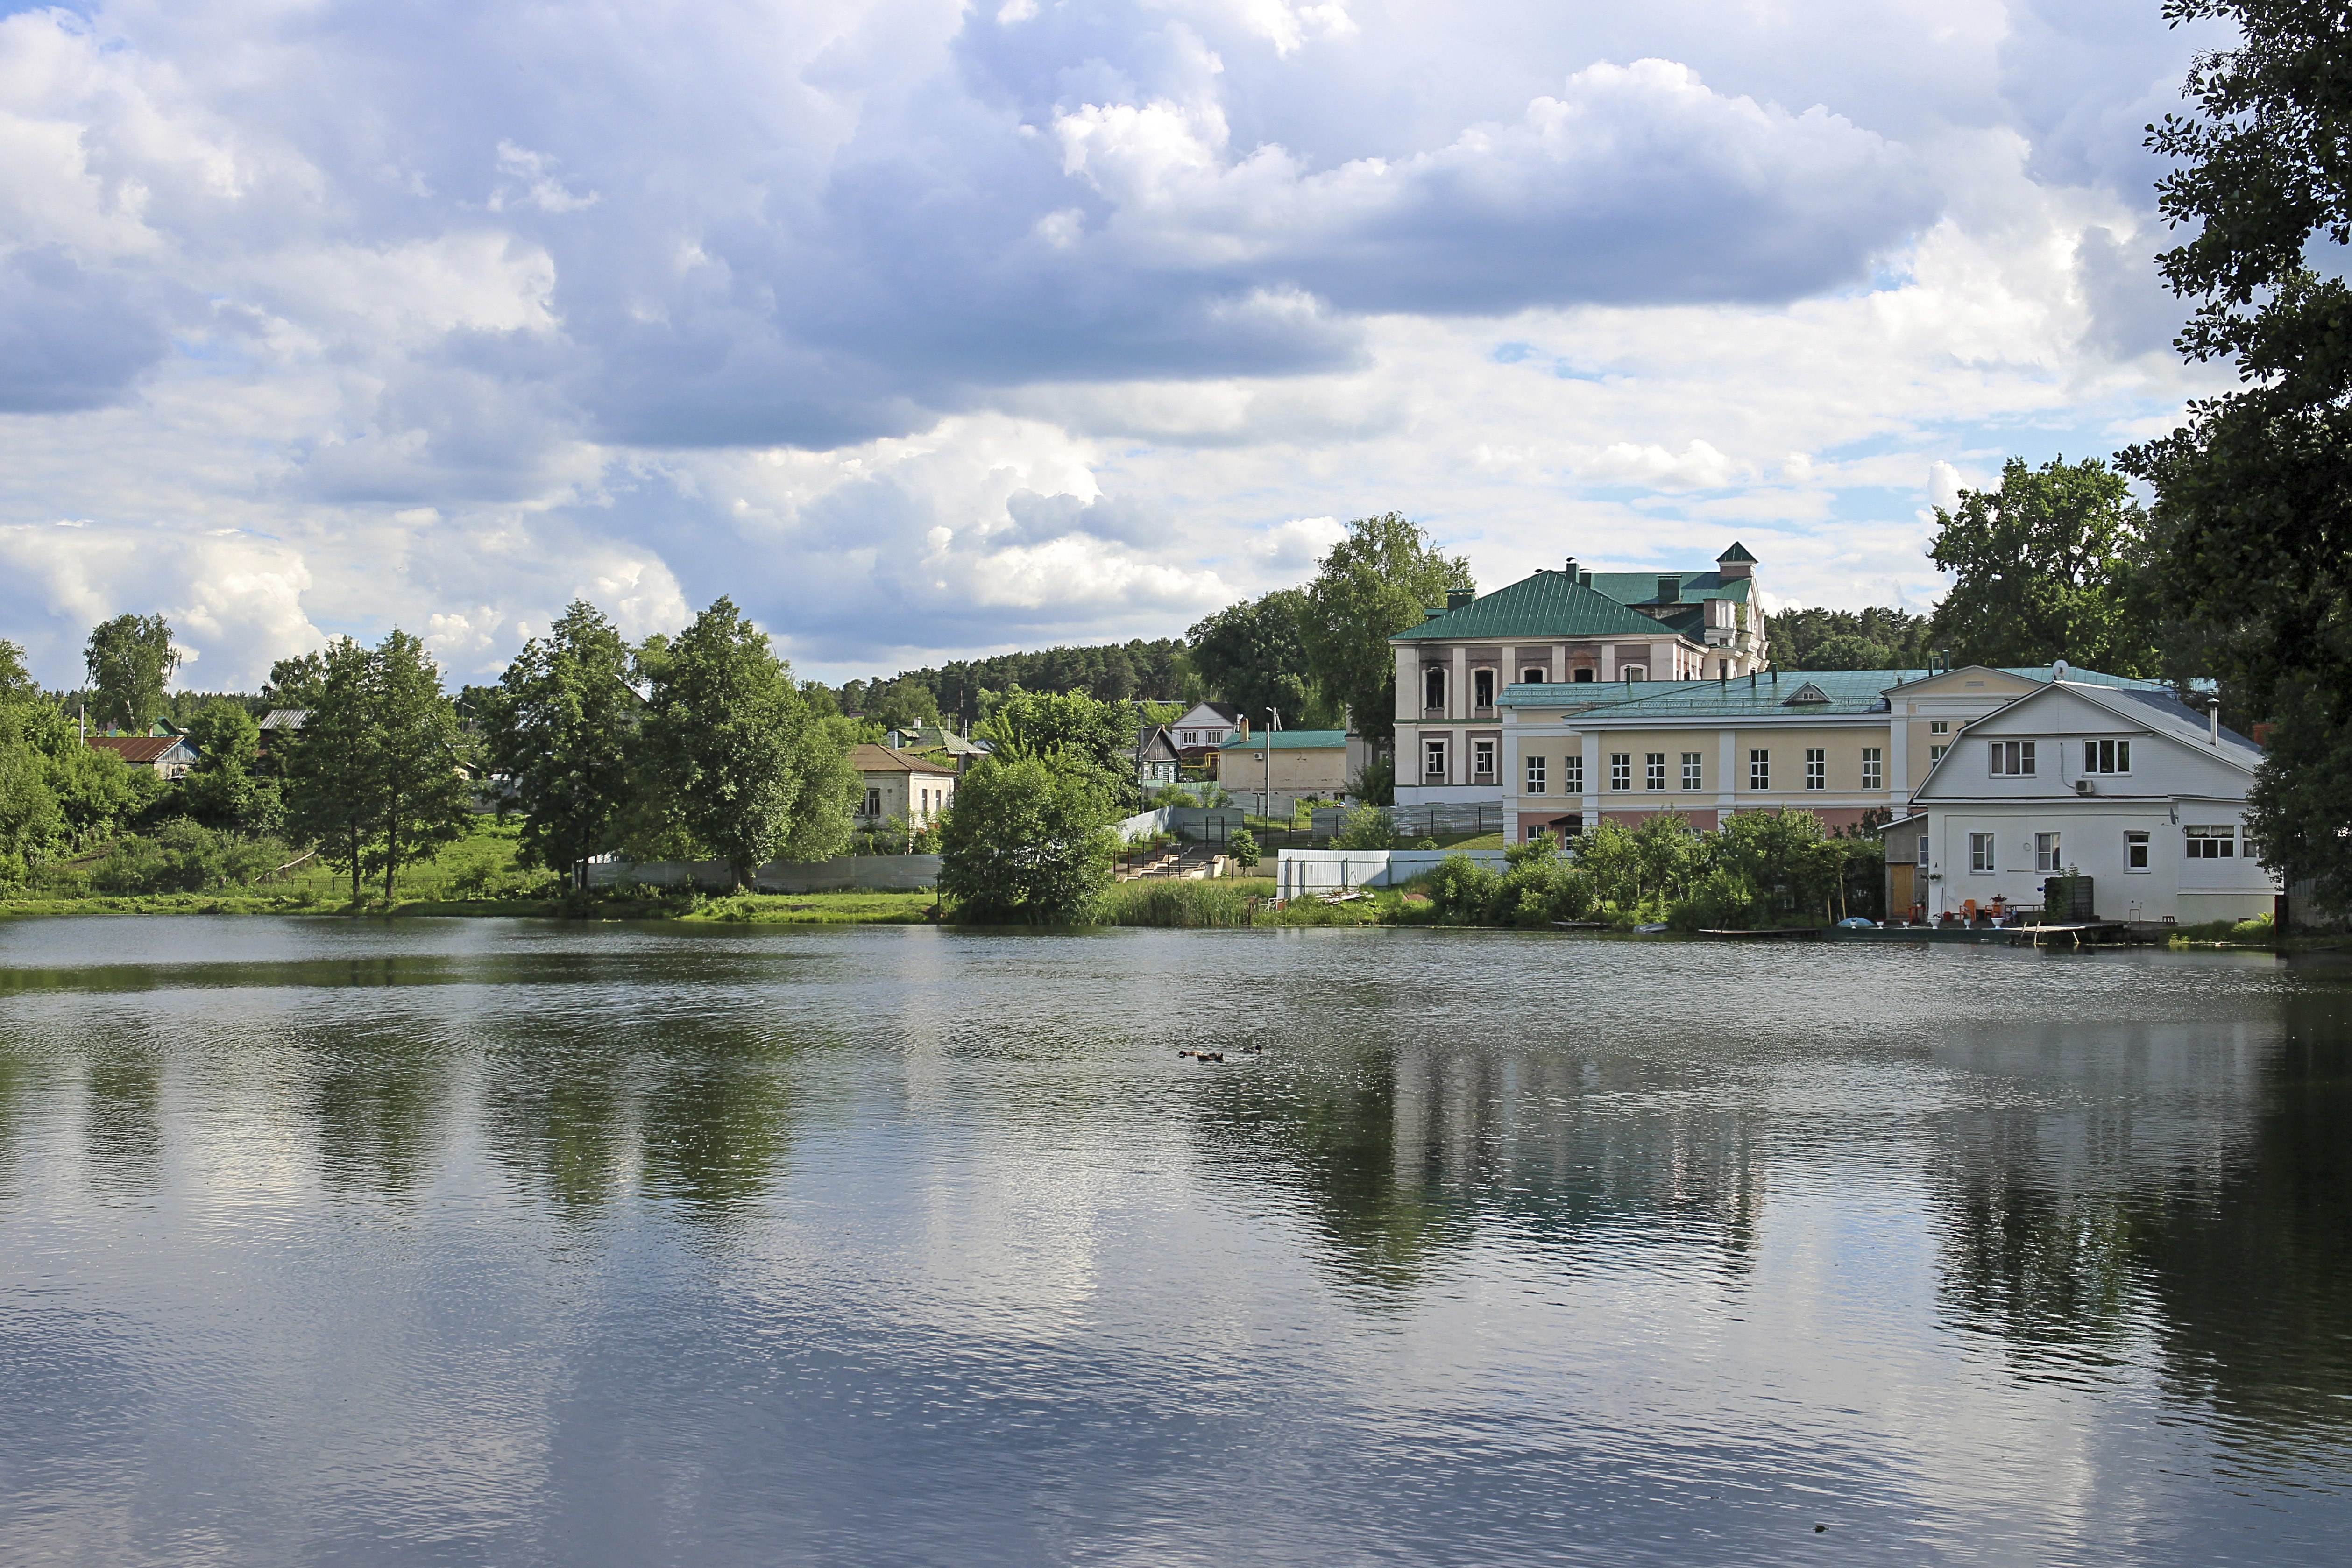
(1569, 627)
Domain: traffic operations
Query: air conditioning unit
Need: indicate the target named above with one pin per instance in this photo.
(2085, 787)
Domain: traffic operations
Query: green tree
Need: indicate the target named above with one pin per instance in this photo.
(2044, 567)
(1101, 734)
(331, 770)
(297, 682)
(1878, 637)
(1029, 839)
(2254, 492)
(1366, 828)
(423, 798)
(1380, 580)
(222, 791)
(745, 767)
(1252, 655)
(129, 660)
(561, 724)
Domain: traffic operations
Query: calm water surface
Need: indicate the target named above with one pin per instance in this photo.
(498, 1243)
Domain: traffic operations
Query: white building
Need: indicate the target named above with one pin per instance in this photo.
(2123, 786)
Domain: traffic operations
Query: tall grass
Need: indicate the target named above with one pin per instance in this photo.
(1174, 902)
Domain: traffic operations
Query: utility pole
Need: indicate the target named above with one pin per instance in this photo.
(1265, 800)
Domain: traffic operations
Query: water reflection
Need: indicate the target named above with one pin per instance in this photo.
(1615, 1262)
(123, 1126)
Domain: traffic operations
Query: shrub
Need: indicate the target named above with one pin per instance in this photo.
(185, 857)
(1463, 891)
(1243, 849)
(1723, 899)
(1367, 827)
(1173, 796)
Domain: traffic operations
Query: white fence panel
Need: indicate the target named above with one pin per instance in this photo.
(1298, 872)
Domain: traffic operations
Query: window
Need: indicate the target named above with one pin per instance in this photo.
(1980, 852)
(2134, 851)
(1535, 831)
(2106, 757)
(2209, 843)
(1571, 774)
(1632, 672)
(1936, 754)
(1653, 770)
(1432, 759)
(1482, 758)
(1536, 771)
(1940, 727)
(1923, 848)
(1759, 768)
(1482, 687)
(1874, 769)
(1817, 768)
(2045, 853)
(1535, 675)
(1584, 673)
(1432, 688)
(2012, 759)
(1621, 770)
(873, 802)
(1693, 776)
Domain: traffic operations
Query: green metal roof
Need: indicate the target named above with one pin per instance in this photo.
(1737, 552)
(1293, 740)
(1642, 587)
(1548, 604)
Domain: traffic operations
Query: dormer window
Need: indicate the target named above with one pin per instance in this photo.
(1433, 687)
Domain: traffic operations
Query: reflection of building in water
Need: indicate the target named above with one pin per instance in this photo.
(1403, 1156)
(2197, 1190)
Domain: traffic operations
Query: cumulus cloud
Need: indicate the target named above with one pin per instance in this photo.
(929, 327)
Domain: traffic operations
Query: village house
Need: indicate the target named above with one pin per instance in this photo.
(912, 790)
(2122, 785)
(1158, 762)
(1840, 743)
(1287, 762)
(167, 755)
(1565, 627)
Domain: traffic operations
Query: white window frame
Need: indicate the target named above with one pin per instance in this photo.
(2137, 843)
(1874, 767)
(1653, 770)
(1940, 727)
(1537, 769)
(1981, 854)
(2009, 758)
(1432, 749)
(1760, 768)
(1817, 768)
(2214, 842)
(1936, 754)
(1620, 771)
(1482, 758)
(1693, 769)
(1572, 773)
(2049, 853)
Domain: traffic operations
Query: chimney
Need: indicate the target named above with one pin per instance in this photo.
(1571, 569)
(1670, 589)
(2213, 721)
(1456, 597)
(1584, 577)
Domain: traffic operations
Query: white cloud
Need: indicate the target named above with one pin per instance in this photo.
(923, 329)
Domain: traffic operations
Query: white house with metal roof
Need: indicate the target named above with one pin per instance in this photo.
(1840, 743)
(2121, 784)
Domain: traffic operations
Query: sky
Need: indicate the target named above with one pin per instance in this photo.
(925, 329)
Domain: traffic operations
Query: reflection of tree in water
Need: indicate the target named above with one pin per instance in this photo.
(2229, 1236)
(716, 1119)
(556, 1110)
(123, 1135)
(1404, 1153)
(16, 1097)
(379, 1097)
(2252, 1268)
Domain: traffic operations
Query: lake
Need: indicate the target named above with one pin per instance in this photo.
(469, 1242)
